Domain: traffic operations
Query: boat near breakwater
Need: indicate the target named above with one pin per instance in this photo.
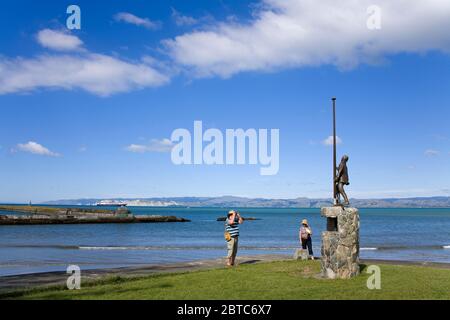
(38, 215)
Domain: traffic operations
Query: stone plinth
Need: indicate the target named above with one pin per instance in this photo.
(340, 248)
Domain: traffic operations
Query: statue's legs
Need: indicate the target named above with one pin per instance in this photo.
(342, 192)
(337, 200)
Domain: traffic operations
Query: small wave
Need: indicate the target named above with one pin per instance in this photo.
(129, 248)
(39, 246)
(213, 247)
(177, 248)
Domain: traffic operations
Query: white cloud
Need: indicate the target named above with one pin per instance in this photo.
(96, 73)
(431, 153)
(329, 141)
(296, 33)
(182, 20)
(57, 40)
(163, 145)
(99, 74)
(36, 148)
(138, 21)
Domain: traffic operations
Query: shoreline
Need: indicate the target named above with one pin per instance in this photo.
(13, 283)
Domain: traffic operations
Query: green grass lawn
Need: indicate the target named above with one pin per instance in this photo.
(273, 280)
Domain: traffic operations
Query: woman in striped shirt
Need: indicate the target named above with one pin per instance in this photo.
(232, 223)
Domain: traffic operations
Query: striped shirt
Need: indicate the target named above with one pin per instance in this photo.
(233, 229)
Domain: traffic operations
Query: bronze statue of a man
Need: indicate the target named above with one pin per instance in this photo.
(341, 181)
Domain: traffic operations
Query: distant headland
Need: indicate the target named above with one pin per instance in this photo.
(242, 202)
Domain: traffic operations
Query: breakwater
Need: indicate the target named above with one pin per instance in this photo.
(37, 215)
(243, 218)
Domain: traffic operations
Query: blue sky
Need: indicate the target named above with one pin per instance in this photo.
(230, 64)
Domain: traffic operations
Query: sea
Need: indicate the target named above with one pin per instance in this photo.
(390, 234)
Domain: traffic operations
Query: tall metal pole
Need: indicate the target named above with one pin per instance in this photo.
(334, 149)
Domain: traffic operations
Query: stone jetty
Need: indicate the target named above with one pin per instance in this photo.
(37, 215)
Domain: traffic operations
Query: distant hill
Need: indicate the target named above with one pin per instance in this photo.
(232, 201)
